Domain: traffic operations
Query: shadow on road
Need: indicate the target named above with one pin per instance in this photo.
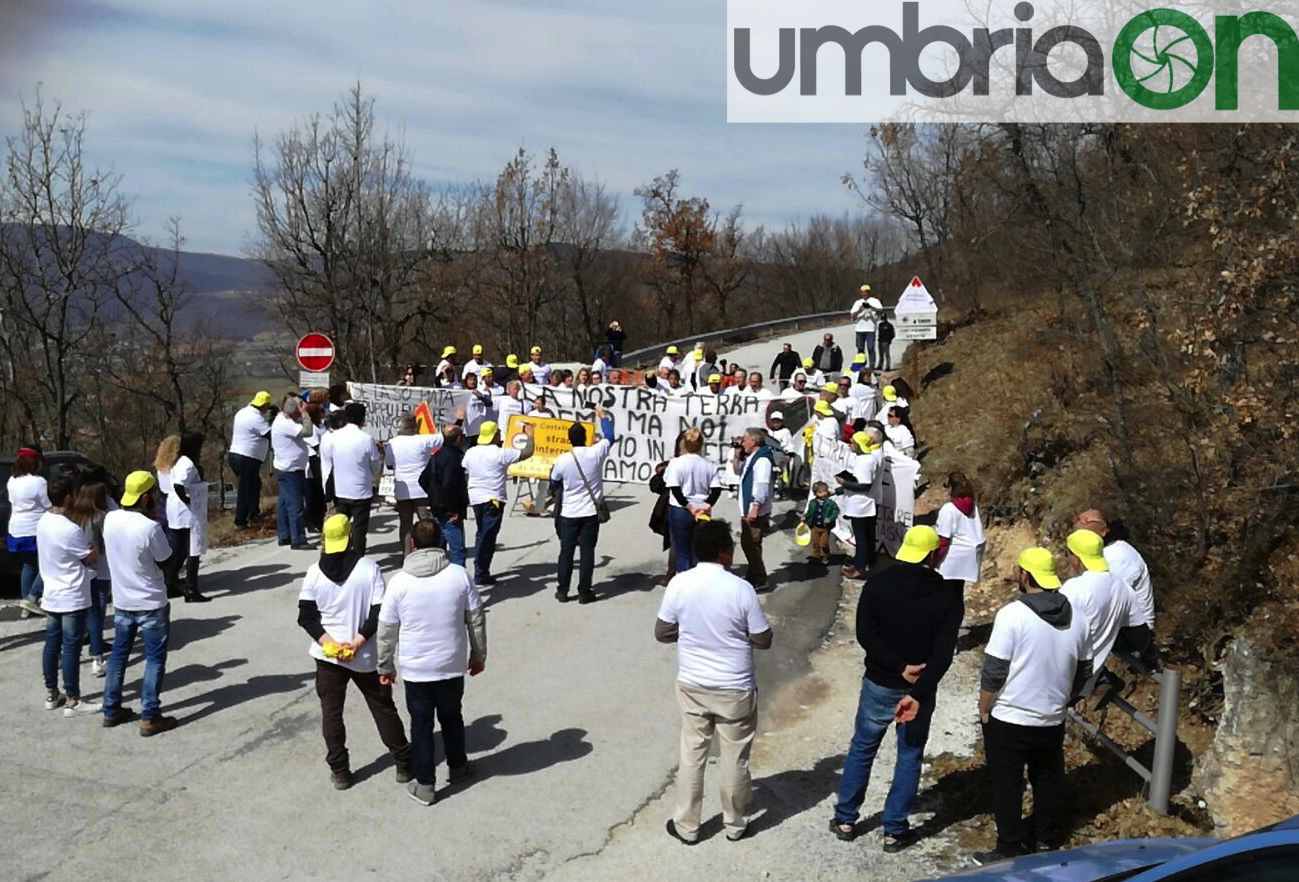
(246, 579)
(235, 694)
(186, 631)
(563, 746)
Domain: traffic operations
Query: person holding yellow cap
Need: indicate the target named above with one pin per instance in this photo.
(540, 370)
(136, 547)
(1038, 659)
(476, 362)
(908, 619)
(827, 357)
(487, 466)
(858, 506)
(249, 444)
(864, 314)
(338, 607)
(1104, 600)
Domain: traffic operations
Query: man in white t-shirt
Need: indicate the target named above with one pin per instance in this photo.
(249, 441)
(577, 486)
(65, 556)
(289, 435)
(754, 465)
(1104, 600)
(137, 548)
(1038, 659)
(339, 608)
(487, 466)
(755, 387)
(475, 364)
(1127, 563)
(671, 358)
(512, 403)
(352, 458)
(407, 454)
(716, 621)
(863, 314)
(431, 619)
(540, 370)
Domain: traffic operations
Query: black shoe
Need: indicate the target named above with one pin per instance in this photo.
(586, 597)
(461, 773)
(894, 844)
(485, 581)
(404, 775)
(195, 597)
(156, 726)
(997, 855)
(672, 831)
(302, 546)
(118, 717)
(282, 543)
(562, 596)
(341, 780)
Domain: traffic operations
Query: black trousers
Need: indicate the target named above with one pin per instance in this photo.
(248, 481)
(1009, 749)
(331, 686)
(359, 512)
(1139, 640)
(577, 533)
(425, 701)
(180, 575)
(863, 537)
(314, 508)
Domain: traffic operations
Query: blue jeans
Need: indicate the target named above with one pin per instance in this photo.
(577, 533)
(425, 701)
(63, 634)
(153, 626)
(32, 584)
(874, 714)
(489, 516)
(453, 539)
(290, 511)
(101, 590)
(866, 344)
(681, 530)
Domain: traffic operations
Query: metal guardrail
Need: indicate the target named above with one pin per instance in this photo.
(791, 323)
(1159, 777)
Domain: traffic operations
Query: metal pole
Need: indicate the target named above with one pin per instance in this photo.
(1161, 778)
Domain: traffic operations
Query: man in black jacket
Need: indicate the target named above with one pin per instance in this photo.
(828, 357)
(907, 621)
(785, 364)
(443, 479)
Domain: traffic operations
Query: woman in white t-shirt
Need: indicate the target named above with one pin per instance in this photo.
(898, 431)
(694, 486)
(407, 454)
(187, 514)
(28, 500)
(88, 510)
(960, 533)
(163, 460)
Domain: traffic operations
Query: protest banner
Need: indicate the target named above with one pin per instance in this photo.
(549, 441)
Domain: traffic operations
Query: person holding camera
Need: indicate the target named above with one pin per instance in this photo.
(753, 463)
(250, 440)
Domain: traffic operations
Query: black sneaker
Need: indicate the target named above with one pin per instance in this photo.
(461, 773)
(562, 596)
(586, 597)
(484, 581)
(672, 831)
(341, 780)
(118, 717)
(997, 855)
(404, 775)
(195, 597)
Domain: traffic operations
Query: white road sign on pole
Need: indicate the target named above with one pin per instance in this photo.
(916, 313)
(313, 379)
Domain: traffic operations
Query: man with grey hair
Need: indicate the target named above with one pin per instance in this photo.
(289, 434)
(407, 454)
(753, 464)
(512, 402)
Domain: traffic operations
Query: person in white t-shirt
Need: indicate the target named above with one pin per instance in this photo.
(601, 364)
(863, 313)
(858, 505)
(540, 370)
(407, 454)
(694, 486)
(960, 533)
(431, 619)
(353, 457)
(1126, 562)
(66, 561)
(249, 442)
(577, 486)
(475, 364)
(479, 408)
(184, 510)
(797, 388)
(486, 466)
(512, 403)
(756, 389)
(448, 361)
(137, 548)
(339, 608)
(1037, 661)
(716, 621)
(865, 401)
(28, 500)
(1104, 600)
(290, 432)
(899, 433)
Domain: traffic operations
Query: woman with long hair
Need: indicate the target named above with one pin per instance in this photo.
(87, 511)
(899, 431)
(694, 486)
(28, 499)
(960, 533)
(187, 517)
(163, 460)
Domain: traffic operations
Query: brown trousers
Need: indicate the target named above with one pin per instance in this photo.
(751, 544)
(331, 686)
(821, 542)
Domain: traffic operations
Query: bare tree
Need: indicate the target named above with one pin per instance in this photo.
(588, 228)
(677, 236)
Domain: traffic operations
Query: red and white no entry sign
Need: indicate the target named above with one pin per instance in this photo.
(315, 352)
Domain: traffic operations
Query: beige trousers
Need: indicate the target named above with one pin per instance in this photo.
(733, 715)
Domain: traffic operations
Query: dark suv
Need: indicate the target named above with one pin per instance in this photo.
(57, 462)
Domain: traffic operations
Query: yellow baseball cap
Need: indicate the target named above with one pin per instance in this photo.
(865, 289)
(485, 372)
(449, 350)
(917, 545)
(536, 350)
(261, 399)
(1089, 547)
(714, 378)
(831, 387)
(672, 350)
(137, 484)
(860, 359)
(807, 362)
(865, 443)
(478, 349)
(823, 408)
(511, 361)
(487, 432)
(337, 533)
(526, 369)
(698, 353)
(1039, 563)
(890, 394)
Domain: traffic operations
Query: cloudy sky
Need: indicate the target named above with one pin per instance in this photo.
(623, 90)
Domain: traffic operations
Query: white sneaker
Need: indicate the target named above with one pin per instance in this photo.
(82, 708)
(97, 666)
(54, 700)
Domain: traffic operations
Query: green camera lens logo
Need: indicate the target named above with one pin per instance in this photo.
(1163, 39)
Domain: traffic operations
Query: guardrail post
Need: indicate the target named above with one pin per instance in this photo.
(1161, 770)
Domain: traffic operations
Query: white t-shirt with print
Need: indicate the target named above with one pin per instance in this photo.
(1043, 661)
(1106, 602)
(344, 609)
(715, 612)
(432, 643)
(408, 455)
(695, 476)
(487, 467)
(28, 500)
(136, 546)
(576, 502)
(250, 436)
(966, 535)
(61, 546)
(1127, 563)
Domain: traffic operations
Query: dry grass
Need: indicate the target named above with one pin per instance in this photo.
(222, 532)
